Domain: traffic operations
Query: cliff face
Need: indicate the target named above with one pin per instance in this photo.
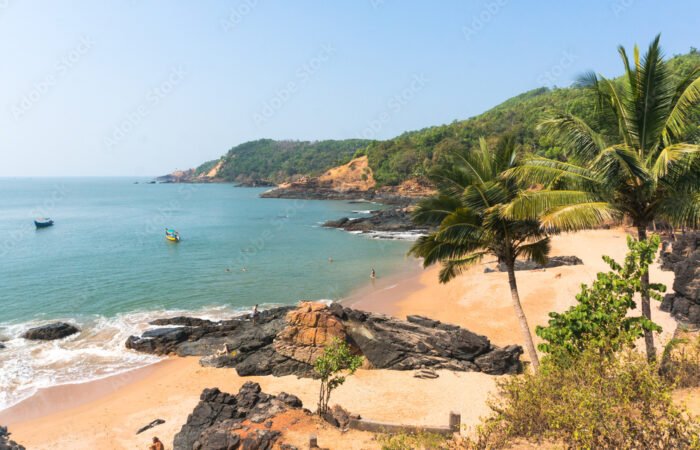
(191, 176)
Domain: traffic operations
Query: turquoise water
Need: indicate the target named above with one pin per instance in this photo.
(107, 266)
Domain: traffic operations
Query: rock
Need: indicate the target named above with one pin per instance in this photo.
(182, 321)
(386, 220)
(554, 261)
(683, 257)
(223, 421)
(150, 425)
(57, 330)
(501, 361)
(2, 346)
(6, 443)
(426, 374)
(287, 341)
(310, 328)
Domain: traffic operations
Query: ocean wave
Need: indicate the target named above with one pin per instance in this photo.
(411, 235)
(96, 352)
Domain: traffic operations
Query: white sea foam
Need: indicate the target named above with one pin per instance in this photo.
(96, 352)
(410, 235)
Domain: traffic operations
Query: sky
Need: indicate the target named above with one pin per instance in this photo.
(144, 87)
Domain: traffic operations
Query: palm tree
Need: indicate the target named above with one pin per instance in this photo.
(640, 168)
(467, 211)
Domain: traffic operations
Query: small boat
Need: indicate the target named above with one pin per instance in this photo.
(43, 222)
(172, 235)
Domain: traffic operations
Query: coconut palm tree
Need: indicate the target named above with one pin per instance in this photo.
(640, 168)
(467, 211)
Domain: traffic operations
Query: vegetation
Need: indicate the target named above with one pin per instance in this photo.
(681, 360)
(336, 363)
(467, 212)
(278, 161)
(592, 390)
(594, 402)
(601, 322)
(630, 160)
(413, 441)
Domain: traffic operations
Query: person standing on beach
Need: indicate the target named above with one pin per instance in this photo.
(255, 314)
(157, 444)
(373, 274)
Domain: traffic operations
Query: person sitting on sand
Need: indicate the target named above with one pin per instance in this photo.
(157, 444)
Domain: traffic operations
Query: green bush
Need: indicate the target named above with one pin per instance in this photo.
(681, 360)
(601, 321)
(413, 441)
(596, 402)
(336, 363)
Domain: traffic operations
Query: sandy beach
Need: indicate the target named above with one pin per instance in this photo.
(107, 413)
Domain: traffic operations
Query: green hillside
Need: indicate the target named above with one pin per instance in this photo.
(411, 154)
(277, 161)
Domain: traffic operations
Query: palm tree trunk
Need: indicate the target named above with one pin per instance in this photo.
(646, 302)
(522, 320)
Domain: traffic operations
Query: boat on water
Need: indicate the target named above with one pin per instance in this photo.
(172, 235)
(43, 222)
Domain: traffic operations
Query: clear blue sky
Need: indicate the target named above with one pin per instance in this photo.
(141, 87)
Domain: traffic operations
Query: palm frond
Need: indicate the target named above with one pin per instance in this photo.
(536, 251)
(452, 268)
(530, 205)
(676, 157)
(574, 134)
(580, 216)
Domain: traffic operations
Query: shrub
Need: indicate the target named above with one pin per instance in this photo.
(333, 366)
(595, 402)
(600, 321)
(414, 441)
(681, 361)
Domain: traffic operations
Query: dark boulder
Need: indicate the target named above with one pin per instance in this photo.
(6, 443)
(223, 421)
(554, 261)
(50, 332)
(500, 361)
(683, 257)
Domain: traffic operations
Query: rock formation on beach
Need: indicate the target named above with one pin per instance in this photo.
(57, 330)
(244, 420)
(288, 340)
(684, 260)
(6, 443)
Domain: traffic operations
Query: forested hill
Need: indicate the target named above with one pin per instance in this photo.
(278, 161)
(411, 154)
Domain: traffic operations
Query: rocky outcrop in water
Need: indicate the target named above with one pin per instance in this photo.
(224, 421)
(6, 443)
(682, 256)
(288, 340)
(50, 332)
(389, 220)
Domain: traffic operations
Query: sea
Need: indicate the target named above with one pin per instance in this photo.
(106, 266)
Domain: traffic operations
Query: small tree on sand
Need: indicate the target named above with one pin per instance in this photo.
(336, 363)
(600, 321)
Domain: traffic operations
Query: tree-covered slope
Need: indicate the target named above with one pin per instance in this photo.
(411, 154)
(278, 161)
